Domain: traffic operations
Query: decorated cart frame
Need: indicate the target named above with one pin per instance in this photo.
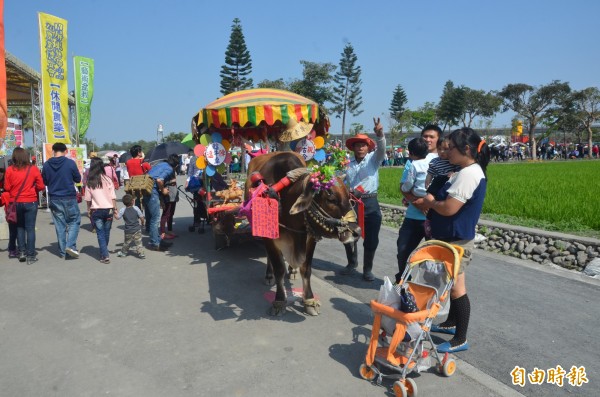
(270, 118)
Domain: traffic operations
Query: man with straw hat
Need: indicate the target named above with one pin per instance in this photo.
(362, 178)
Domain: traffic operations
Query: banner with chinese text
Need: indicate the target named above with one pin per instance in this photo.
(53, 48)
(84, 92)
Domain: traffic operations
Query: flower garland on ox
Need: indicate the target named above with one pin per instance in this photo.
(323, 176)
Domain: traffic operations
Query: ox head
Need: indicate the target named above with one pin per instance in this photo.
(328, 212)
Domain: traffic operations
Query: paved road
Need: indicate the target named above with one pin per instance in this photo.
(523, 314)
(193, 322)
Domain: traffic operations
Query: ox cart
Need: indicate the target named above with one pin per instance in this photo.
(258, 121)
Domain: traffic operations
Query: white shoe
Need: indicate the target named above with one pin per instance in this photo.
(72, 253)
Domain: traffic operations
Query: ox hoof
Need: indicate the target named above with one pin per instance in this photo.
(270, 281)
(278, 308)
(312, 307)
(292, 273)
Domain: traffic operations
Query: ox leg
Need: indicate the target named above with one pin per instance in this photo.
(291, 272)
(274, 255)
(269, 279)
(311, 305)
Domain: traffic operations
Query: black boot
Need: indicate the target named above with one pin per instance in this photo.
(368, 265)
(352, 255)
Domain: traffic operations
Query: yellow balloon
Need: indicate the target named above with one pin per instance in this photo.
(201, 163)
(319, 142)
(226, 144)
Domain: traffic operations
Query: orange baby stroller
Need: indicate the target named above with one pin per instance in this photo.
(430, 271)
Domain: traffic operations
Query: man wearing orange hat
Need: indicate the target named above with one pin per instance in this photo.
(362, 178)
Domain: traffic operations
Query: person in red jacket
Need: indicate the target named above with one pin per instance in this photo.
(23, 181)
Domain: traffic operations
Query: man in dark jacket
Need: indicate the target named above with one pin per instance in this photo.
(60, 175)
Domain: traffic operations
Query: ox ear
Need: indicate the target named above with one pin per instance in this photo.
(305, 199)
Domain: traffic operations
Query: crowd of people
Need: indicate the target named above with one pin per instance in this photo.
(444, 186)
(22, 182)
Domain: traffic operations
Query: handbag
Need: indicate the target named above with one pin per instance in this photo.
(11, 208)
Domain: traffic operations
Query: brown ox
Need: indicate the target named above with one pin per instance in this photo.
(305, 217)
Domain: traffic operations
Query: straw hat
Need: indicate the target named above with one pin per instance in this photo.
(295, 130)
(360, 138)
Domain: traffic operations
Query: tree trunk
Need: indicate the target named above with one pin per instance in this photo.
(589, 129)
(532, 141)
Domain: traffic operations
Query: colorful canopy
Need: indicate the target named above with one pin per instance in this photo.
(249, 108)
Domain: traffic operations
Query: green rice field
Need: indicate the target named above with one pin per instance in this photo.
(558, 195)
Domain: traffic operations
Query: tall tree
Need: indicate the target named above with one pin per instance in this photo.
(347, 92)
(238, 64)
(451, 105)
(478, 103)
(315, 82)
(586, 104)
(533, 104)
(398, 105)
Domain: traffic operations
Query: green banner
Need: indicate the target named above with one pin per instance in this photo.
(84, 92)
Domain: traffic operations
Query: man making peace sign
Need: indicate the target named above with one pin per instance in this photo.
(362, 179)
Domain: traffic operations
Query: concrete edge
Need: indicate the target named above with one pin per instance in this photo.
(463, 367)
(523, 229)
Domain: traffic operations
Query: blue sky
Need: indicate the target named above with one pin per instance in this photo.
(158, 62)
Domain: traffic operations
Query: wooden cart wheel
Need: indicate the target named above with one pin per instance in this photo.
(411, 387)
(366, 372)
(399, 389)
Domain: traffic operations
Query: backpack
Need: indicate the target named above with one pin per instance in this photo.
(140, 185)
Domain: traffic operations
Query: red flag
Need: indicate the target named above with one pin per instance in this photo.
(3, 101)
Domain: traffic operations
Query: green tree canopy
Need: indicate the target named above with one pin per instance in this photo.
(424, 115)
(478, 103)
(534, 104)
(315, 83)
(238, 64)
(347, 91)
(450, 108)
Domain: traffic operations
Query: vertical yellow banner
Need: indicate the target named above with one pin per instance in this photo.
(53, 48)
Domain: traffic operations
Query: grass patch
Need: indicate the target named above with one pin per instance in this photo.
(560, 196)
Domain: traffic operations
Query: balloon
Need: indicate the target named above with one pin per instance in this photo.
(228, 158)
(226, 144)
(216, 137)
(319, 142)
(215, 153)
(222, 168)
(210, 170)
(199, 150)
(201, 163)
(319, 155)
(205, 139)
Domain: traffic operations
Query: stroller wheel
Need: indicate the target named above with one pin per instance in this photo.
(411, 387)
(366, 372)
(399, 389)
(449, 367)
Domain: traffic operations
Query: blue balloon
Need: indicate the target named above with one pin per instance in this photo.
(210, 170)
(217, 137)
(319, 155)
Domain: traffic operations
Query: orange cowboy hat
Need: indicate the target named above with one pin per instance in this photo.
(360, 138)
